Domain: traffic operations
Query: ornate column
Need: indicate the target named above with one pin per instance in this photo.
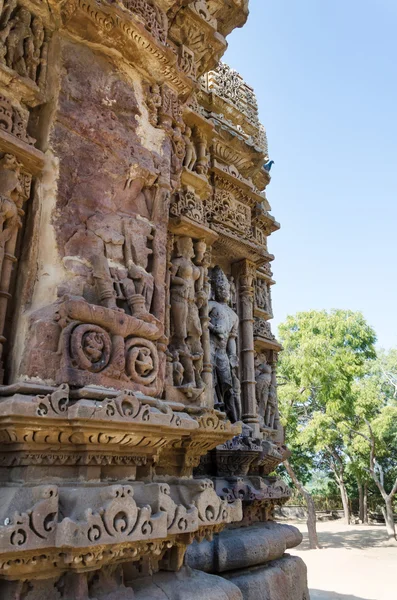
(245, 274)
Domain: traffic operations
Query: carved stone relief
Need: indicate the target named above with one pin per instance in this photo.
(14, 121)
(262, 296)
(223, 328)
(187, 296)
(23, 42)
(14, 191)
(266, 390)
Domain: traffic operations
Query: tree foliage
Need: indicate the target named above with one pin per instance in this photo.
(338, 401)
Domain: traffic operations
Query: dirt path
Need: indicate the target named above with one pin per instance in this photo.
(356, 563)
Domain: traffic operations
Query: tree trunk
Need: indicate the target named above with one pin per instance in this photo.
(345, 500)
(360, 500)
(343, 495)
(311, 509)
(389, 517)
(365, 503)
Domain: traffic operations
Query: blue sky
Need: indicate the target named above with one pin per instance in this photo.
(325, 76)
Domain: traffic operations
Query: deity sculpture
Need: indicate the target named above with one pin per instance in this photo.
(120, 257)
(154, 103)
(33, 47)
(262, 295)
(190, 150)
(185, 320)
(19, 32)
(223, 328)
(271, 410)
(263, 376)
(9, 218)
(178, 154)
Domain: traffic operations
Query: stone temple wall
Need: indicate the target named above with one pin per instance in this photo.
(139, 424)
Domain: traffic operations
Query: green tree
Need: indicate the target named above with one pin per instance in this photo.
(325, 353)
(374, 429)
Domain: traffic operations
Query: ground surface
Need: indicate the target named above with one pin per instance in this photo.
(356, 563)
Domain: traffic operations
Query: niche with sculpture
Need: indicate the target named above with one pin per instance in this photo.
(188, 285)
(266, 391)
(224, 330)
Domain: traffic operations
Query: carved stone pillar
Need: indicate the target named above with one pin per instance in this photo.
(244, 274)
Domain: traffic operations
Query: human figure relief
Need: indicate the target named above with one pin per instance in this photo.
(223, 328)
(9, 218)
(190, 150)
(263, 376)
(185, 319)
(271, 410)
(19, 32)
(262, 295)
(119, 254)
(137, 260)
(34, 45)
(154, 103)
(5, 26)
(178, 154)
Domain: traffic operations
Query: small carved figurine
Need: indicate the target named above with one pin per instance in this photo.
(190, 150)
(263, 376)
(154, 103)
(20, 31)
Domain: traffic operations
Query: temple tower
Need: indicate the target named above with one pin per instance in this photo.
(138, 396)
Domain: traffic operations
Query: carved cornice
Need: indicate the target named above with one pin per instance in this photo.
(182, 456)
(252, 489)
(52, 429)
(63, 525)
(114, 26)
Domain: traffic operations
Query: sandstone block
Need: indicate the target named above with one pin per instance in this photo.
(283, 579)
(187, 584)
(242, 548)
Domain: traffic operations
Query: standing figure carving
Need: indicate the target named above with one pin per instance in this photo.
(223, 328)
(20, 31)
(263, 377)
(186, 328)
(271, 410)
(190, 150)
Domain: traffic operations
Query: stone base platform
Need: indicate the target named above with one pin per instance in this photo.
(253, 559)
(187, 584)
(282, 579)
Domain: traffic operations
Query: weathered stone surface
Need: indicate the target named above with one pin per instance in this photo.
(283, 579)
(242, 548)
(188, 584)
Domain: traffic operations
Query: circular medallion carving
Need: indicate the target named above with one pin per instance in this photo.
(142, 361)
(90, 347)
